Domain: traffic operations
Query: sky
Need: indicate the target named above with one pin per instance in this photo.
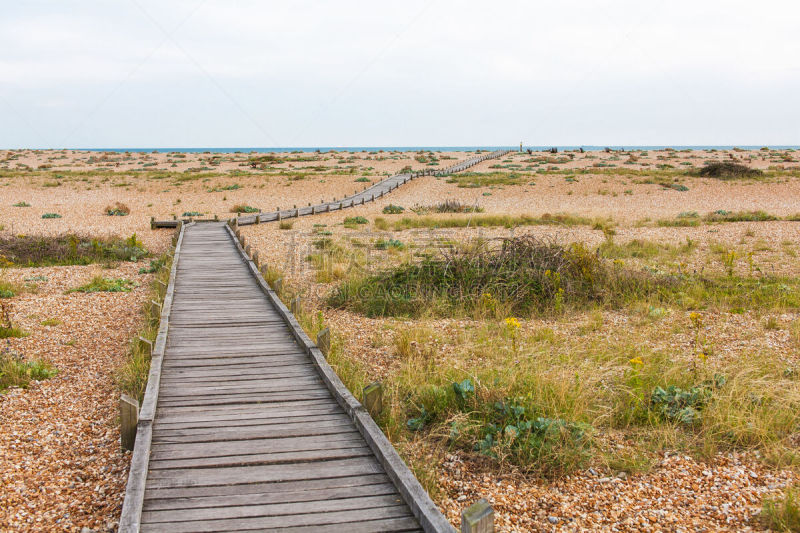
(238, 73)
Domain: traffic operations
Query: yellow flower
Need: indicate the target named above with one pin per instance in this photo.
(512, 323)
(636, 361)
(695, 318)
(702, 355)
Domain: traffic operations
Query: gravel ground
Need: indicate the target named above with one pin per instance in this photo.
(61, 467)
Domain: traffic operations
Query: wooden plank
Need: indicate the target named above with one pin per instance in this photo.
(272, 497)
(274, 510)
(312, 519)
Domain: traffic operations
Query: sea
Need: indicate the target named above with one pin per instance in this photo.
(432, 148)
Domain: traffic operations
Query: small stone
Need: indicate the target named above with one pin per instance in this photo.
(552, 519)
(622, 475)
(593, 472)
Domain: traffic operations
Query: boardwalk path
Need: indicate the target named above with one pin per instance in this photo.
(245, 427)
(369, 194)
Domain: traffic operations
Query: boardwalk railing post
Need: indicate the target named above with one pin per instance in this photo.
(264, 270)
(295, 306)
(255, 258)
(373, 399)
(155, 310)
(277, 285)
(324, 341)
(146, 344)
(247, 250)
(129, 418)
(478, 518)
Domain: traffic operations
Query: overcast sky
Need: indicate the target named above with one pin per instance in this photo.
(193, 73)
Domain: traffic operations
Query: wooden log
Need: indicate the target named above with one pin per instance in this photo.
(129, 418)
(478, 518)
(373, 399)
(324, 341)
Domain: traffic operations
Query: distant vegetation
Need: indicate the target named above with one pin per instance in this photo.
(68, 249)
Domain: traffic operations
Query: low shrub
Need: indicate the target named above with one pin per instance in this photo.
(392, 209)
(242, 208)
(101, 284)
(525, 275)
(51, 215)
(117, 210)
(68, 249)
(727, 170)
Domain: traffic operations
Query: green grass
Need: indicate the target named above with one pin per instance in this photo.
(486, 179)
(739, 216)
(7, 332)
(51, 215)
(15, 371)
(782, 514)
(525, 276)
(68, 249)
(101, 284)
(22, 204)
(506, 221)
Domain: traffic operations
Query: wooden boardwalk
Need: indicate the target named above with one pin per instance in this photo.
(245, 427)
(370, 194)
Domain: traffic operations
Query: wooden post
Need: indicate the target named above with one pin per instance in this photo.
(216, 218)
(324, 341)
(247, 250)
(242, 241)
(238, 235)
(373, 399)
(162, 286)
(152, 222)
(277, 285)
(295, 306)
(155, 310)
(148, 344)
(279, 216)
(258, 218)
(264, 270)
(255, 258)
(129, 418)
(478, 518)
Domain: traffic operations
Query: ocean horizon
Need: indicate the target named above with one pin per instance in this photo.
(589, 148)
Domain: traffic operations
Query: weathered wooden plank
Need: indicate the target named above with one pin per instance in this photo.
(273, 510)
(192, 477)
(333, 452)
(272, 497)
(261, 523)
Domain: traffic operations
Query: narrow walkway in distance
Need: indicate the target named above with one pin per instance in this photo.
(369, 194)
(246, 434)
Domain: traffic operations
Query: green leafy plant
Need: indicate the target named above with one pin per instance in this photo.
(392, 209)
(101, 284)
(51, 215)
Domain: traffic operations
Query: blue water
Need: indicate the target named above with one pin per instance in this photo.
(428, 148)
